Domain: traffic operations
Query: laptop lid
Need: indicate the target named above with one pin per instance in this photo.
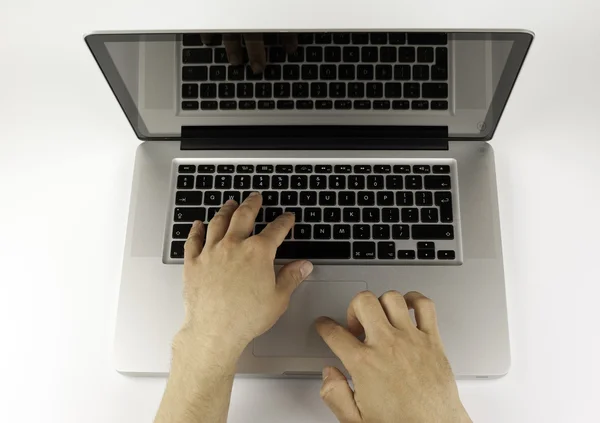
(146, 73)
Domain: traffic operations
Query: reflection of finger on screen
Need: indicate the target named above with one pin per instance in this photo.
(233, 47)
(256, 51)
(290, 42)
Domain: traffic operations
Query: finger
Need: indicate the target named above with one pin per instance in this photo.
(290, 42)
(366, 314)
(217, 228)
(233, 47)
(394, 307)
(256, 51)
(242, 221)
(291, 276)
(207, 38)
(342, 343)
(195, 241)
(339, 397)
(425, 313)
(277, 230)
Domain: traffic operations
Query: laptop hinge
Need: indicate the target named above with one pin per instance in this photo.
(314, 137)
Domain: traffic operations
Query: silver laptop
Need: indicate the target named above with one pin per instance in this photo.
(377, 140)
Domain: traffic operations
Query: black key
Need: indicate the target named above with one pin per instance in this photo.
(369, 54)
(272, 72)
(425, 245)
(406, 54)
(270, 198)
(332, 215)
(412, 90)
(439, 72)
(266, 105)
(241, 181)
(397, 38)
(259, 228)
(362, 104)
(189, 214)
(333, 54)
(428, 254)
(429, 215)
(442, 198)
(337, 89)
(361, 232)
(185, 181)
(197, 55)
(375, 90)
(441, 169)
(304, 168)
(328, 72)
(413, 182)
(209, 105)
(181, 231)
(406, 254)
(385, 198)
(247, 104)
(343, 104)
(322, 232)
(304, 104)
(318, 182)
(400, 232)
(228, 105)
(387, 54)
(194, 73)
(374, 182)
(425, 54)
(386, 250)
(404, 198)
(421, 169)
(342, 169)
(410, 215)
(177, 249)
(360, 38)
(305, 38)
(282, 90)
(383, 72)
(323, 168)
(218, 73)
(401, 169)
(393, 90)
(312, 214)
(446, 255)
(423, 38)
(370, 215)
(223, 182)
(381, 105)
(264, 90)
(363, 169)
(437, 182)
(260, 216)
(285, 104)
(363, 250)
(389, 215)
(276, 55)
(297, 56)
(188, 198)
(381, 231)
(351, 54)
(299, 181)
(366, 198)
(356, 182)
(424, 198)
(232, 195)
(323, 38)
(393, 182)
(291, 72)
(300, 89)
(439, 105)
(402, 72)
(346, 72)
(356, 90)
(337, 182)
(433, 232)
(341, 38)
(347, 198)
(420, 72)
(297, 211)
(340, 232)
(351, 214)
(310, 72)
(280, 182)
(260, 182)
(302, 231)
(189, 91)
(329, 250)
(314, 54)
(318, 90)
(187, 169)
(221, 56)
(246, 194)
(192, 40)
(327, 198)
(204, 181)
(364, 72)
(251, 75)
(212, 198)
(400, 105)
(225, 168)
(441, 55)
(190, 105)
(289, 198)
(444, 201)
(271, 213)
(379, 38)
(284, 168)
(308, 198)
(245, 90)
(235, 73)
(264, 169)
(435, 90)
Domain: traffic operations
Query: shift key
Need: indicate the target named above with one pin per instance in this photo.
(432, 232)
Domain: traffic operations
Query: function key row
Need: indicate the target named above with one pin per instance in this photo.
(208, 105)
(306, 168)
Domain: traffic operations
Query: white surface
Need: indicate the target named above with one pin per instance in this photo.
(65, 172)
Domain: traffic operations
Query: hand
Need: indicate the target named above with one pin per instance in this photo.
(400, 372)
(232, 293)
(254, 45)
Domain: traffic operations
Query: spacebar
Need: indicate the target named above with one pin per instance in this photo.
(314, 250)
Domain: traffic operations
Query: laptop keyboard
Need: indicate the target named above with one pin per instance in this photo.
(329, 71)
(347, 212)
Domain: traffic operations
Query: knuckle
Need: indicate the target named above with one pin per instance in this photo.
(326, 390)
(391, 296)
(363, 296)
(245, 212)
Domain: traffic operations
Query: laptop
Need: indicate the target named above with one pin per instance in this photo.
(377, 140)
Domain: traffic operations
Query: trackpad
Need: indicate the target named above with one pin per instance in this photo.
(294, 335)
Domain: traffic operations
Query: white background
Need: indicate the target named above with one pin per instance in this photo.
(66, 159)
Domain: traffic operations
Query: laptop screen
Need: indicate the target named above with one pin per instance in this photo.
(451, 85)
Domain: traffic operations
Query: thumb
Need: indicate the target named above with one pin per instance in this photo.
(292, 274)
(338, 396)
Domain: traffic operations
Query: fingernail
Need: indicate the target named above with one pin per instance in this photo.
(230, 202)
(195, 224)
(326, 372)
(254, 194)
(306, 269)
